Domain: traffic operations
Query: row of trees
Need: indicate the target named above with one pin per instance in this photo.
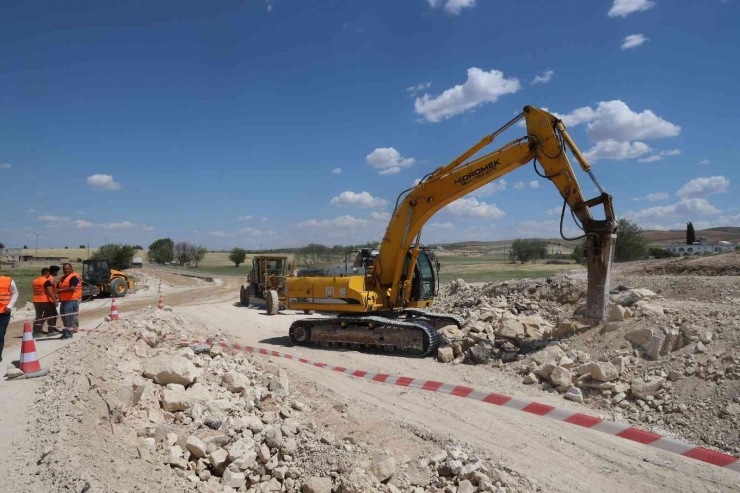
(166, 251)
(529, 250)
(316, 253)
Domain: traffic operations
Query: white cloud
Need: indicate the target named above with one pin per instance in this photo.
(653, 197)
(614, 120)
(416, 182)
(419, 87)
(264, 219)
(473, 208)
(54, 219)
(32, 211)
(611, 149)
(480, 88)
(196, 232)
(5, 166)
(703, 186)
(452, 6)
(388, 161)
(363, 200)
(83, 224)
(555, 211)
(127, 225)
(674, 211)
(244, 218)
(336, 171)
(380, 216)
(623, 8)
(219, 234)
(544, 78)
(338, 222)
(657, 196)
(660, 155)
(440, 226)
(521, 185)
(490, 189)
(103, 182)
(633, 41)
(704, 161)
(545, 229)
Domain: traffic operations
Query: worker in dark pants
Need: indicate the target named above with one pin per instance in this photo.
(8, 297)
(70, 292)
(45, 303)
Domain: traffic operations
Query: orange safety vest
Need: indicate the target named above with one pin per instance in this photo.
(4, 292)
(53, 283)
(39, 292)
(70, 295)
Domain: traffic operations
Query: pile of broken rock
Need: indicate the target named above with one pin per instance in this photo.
(224, 422)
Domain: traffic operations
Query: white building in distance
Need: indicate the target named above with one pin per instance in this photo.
(700, 247)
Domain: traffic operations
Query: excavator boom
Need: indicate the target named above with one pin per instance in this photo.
(546, 142)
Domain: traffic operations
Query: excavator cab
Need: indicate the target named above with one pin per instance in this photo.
(425, 281)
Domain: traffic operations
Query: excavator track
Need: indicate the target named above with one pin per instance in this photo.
(416, 338)
(439, 319)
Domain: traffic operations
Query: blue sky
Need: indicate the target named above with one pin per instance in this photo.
(282, 122)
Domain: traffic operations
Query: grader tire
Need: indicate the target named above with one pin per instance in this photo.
(272, 302)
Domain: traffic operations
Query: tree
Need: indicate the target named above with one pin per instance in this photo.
(138, 247)
(2, 245)
(690, 234)
(25, 247)
(579, 252)
(528, 250)
(119, 256)
(238, 255)
(83, 246)
(66, 248)
(199, 254)
(631, 243)
(162, 251)
(184, 252)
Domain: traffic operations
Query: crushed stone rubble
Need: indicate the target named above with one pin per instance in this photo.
(146, 282)
(152, 415)
(664, 370)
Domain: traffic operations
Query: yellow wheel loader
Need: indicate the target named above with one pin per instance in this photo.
(386, 306)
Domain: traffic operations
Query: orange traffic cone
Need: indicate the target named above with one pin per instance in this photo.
(113, 310)
(29, 360)
(160, 286)
(161, 303)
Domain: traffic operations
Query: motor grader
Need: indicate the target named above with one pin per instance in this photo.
(386, 306)
(266, 281)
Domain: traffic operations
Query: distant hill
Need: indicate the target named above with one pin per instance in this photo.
(724, 233)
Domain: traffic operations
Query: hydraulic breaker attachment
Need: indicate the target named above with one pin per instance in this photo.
(600, 242)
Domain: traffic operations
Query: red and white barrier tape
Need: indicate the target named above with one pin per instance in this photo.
(571, 417)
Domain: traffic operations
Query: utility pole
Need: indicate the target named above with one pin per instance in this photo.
(106, 240)
(37, 244)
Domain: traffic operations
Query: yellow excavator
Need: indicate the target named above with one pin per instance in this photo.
(384, 308)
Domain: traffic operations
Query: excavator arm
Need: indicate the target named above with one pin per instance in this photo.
(546, 142)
